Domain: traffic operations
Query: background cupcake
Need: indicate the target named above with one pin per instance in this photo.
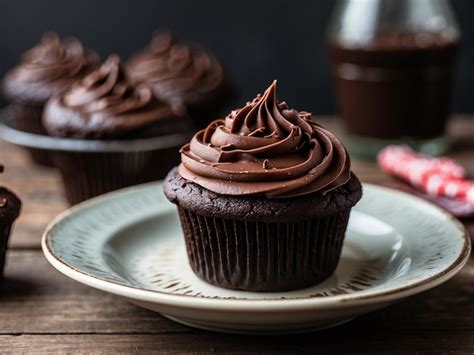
(10, 206)
(44, 71)
(187, 77)
(264, 198)
(109, 117)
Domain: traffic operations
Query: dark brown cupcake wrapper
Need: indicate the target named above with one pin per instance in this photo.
(261, 256)
(88, 174)
(28, 118)
(4, 236)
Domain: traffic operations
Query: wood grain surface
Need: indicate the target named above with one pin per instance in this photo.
(42, 311)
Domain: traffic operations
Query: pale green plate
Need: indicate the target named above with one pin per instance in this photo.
(130, 243)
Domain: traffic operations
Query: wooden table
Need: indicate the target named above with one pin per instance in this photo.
(42, 310)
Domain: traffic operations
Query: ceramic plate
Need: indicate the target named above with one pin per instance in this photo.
(129, 243)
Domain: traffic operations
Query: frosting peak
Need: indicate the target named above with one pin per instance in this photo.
(266, 148)
(49, 68)
(108, 91)
(52, 59)
(175, 71)
(104, 103)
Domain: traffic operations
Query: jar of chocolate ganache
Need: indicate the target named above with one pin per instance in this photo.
(393, 64)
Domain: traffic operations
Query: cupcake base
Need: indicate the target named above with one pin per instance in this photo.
(255, 243)
(28, 118)
(261, 256)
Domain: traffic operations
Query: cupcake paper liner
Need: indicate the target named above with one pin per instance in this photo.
(263, 256)
(88, 174)
(28, 118)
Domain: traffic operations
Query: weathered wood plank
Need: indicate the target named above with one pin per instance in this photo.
(36, 299)
(331, 341)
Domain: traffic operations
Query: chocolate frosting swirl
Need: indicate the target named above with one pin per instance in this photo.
(266, 148)
(175, 71)
(104, 104)
(48, 68)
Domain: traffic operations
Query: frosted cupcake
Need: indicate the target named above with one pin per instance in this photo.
(187, 77)
(113, 130)
(44, 71)
(264, 198)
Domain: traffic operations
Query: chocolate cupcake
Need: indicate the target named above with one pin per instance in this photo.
(110, 119)
(10, 206)
(187, 77)
(264, 198)
(45, 70)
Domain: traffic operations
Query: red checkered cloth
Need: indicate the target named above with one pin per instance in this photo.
(441, 177)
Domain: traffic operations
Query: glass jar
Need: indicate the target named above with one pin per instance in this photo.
(393, 65)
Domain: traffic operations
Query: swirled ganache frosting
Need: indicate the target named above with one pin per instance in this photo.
(47, 69)
(176, 71)
(104, 104)
(266, 148)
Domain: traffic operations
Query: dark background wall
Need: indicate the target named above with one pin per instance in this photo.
(256, 41)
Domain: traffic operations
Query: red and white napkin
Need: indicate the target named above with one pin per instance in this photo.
(442, 179)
